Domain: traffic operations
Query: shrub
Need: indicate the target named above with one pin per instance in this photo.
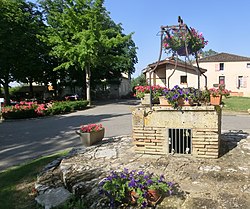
(32, 109)
(66, 107)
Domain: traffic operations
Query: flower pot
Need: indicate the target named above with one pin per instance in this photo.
(153, 196)
(164, 101)
(91, 138)
(184, 102)
(182, 51)
(133, 197)
(145, 100)
(215, 100)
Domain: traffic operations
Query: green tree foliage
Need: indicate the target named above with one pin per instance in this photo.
(11, 18)
(22, 54)
(210, 52)
(139, 81)
(82, 35)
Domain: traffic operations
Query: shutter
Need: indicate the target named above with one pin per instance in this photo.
(237, 82)
(244, 82)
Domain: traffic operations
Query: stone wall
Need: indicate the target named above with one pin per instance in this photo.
(150, 129)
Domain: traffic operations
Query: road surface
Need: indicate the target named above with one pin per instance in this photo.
(21, 140)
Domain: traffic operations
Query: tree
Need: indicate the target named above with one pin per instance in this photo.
(83, 35)
(11, 17)
(139, 81)
(20, 50)
(210, 52)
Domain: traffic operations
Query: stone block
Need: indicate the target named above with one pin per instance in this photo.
(53, 197)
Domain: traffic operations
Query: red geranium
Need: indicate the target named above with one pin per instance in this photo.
(91, 128)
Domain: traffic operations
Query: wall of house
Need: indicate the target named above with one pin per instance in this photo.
(125, 87)
(160, 77)
(232, 71)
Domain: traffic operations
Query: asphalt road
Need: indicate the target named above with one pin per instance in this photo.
(21, 140)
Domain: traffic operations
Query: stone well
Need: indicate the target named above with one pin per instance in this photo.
(193, 130)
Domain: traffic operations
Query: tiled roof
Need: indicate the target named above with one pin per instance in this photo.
(224, 57)
(180, 63)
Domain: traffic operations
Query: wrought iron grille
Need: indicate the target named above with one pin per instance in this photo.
(180, 140)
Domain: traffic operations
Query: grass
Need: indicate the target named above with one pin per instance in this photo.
(236, 104)
(17, 183)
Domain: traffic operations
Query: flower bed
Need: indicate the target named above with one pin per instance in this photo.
(33, 109)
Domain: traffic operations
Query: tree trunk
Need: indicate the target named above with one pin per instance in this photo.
(6, 93)
(31, 95)
(88, 74)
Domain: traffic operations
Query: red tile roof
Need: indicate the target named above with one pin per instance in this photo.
(224, 57)
(180, 63)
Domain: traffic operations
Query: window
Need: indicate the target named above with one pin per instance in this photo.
(221, 66)
(240, 81)
(222, 80)
(183, 79)
(248, 65)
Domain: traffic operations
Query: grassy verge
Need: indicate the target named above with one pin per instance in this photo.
(236, 104)
(17, 184)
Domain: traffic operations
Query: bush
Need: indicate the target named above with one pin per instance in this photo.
(29, 113)
(66, 107)
(32, 109)
(79, 105)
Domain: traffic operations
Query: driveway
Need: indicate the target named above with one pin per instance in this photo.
(21, 140)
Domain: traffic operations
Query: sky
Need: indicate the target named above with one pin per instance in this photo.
(224, 23)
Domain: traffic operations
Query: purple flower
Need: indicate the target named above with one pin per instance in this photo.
(125, 170)
(170, 184)
(149, 181)
(132, 183)
(144, 204)
(141, 173)
(123, 176)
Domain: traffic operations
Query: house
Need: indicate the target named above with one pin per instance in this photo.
(231, 70)
(170, 73)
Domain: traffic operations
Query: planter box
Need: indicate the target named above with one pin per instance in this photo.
(91, 138)
(215, 100)
(145, 100)
(164, 101)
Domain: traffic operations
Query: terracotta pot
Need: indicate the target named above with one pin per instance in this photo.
(183, 102)
(133, 197)
(215, 100)
(91, 138)
(153, 196)
(164, 101)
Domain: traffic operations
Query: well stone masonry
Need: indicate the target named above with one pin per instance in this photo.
(164, 130)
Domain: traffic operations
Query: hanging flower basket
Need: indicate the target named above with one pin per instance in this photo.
(182, 51)
(177, 41)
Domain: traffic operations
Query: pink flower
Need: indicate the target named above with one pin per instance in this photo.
(91, 128)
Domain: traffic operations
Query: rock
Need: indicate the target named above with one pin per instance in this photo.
(210, 168)
(53, 197)
(106, 153)
(202, 183)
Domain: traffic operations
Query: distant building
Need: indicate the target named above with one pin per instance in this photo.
(169, 75)
(231, 70)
